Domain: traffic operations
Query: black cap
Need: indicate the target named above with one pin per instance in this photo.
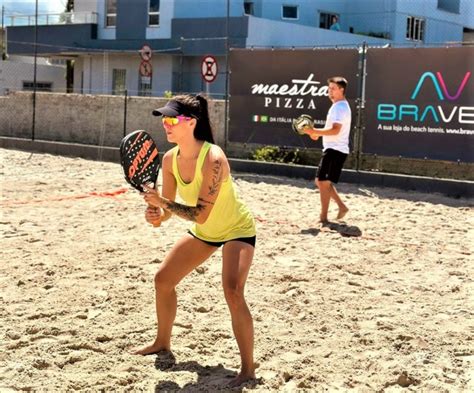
(174, 108)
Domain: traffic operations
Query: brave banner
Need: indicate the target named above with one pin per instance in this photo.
(420, 103)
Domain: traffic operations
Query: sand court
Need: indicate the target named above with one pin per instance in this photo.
(380, 301)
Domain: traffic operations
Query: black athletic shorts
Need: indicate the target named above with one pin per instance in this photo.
(330, 166)
(249, 240)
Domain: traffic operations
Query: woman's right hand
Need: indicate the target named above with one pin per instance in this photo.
(153, 215)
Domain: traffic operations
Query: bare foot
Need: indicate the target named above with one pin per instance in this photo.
(150, 350)
(240, 379)
(342, 213)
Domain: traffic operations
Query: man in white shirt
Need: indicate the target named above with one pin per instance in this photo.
(335, 147)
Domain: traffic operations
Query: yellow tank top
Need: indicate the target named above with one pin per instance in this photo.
(229, 219)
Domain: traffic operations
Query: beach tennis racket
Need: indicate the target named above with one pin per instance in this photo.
(301, 123)
(140, 160)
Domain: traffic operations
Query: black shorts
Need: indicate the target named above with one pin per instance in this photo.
(249, 240)
(330, 166)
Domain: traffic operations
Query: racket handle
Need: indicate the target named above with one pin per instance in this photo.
(159, 223)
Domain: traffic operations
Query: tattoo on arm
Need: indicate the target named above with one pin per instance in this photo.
(204, 201)
(216, 177)
(183, 211)
(191, 213)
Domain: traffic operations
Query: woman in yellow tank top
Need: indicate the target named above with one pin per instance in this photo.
(199, 171)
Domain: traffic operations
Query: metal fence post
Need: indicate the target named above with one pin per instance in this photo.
(360, 127)
(181, 66)
(3, 34)
(226, 109)
(125, 114)
(33, 126)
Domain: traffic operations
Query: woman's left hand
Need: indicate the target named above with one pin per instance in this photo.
(151, 196)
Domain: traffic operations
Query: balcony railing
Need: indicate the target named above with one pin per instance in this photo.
(65, 18)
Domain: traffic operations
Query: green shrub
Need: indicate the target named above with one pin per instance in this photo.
(168, 94)
(276, 154)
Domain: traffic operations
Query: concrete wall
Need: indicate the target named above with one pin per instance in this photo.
(265, 32)
(205, 8)
(467, 13)
(132, 19)
(89, 119)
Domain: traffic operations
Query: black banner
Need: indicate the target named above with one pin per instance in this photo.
(269, 88)
(420, 103)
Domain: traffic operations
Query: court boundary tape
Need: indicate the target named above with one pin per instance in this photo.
(92, 194)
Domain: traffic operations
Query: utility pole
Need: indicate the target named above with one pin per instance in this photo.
(69, 62)
(34, 73)
(226, 110)
(3, 33)
(360, 127)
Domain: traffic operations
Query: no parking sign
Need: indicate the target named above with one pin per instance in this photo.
(209, 69)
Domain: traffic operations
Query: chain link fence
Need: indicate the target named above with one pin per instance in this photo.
(99, 96)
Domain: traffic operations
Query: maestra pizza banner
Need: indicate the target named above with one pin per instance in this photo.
(269, 88)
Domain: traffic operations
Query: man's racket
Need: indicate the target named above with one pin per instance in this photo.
(301, 123)
(140, 160)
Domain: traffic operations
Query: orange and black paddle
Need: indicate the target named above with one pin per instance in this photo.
(140, 159)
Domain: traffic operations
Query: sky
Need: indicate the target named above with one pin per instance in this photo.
(27, 7)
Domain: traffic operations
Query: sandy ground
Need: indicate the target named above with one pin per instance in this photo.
(381, 302)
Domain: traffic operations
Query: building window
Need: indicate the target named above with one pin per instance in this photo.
(468, 36)
(119, 78)
(415, 28)
(40, 86)
(248, 8)
(154, 13)
(449, 5)
(110, 13)
(326, 20)
(289, 12)
(58, 62)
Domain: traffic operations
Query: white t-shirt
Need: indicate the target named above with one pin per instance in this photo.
(340, 112)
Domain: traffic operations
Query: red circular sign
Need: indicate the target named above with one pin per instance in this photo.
(209, 68)
(146, 68)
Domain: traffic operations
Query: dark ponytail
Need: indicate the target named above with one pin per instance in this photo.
(197, 107)
(203, 130)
